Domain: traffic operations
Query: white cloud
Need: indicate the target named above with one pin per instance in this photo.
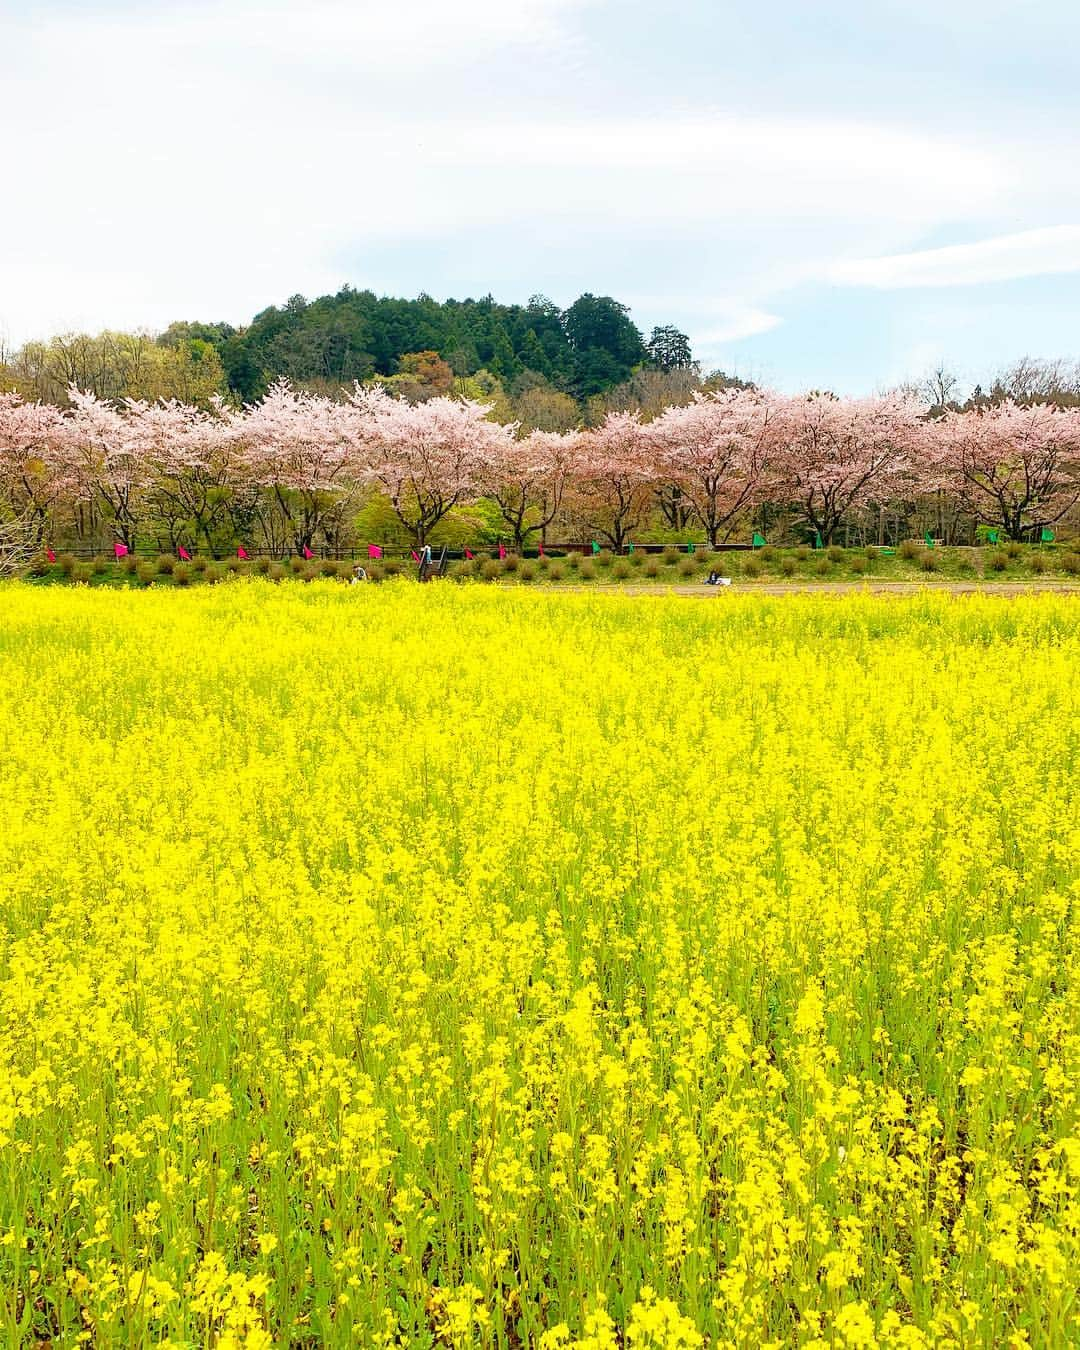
(719, 166)
(1030, 253)
(733, 321)
(361, 35)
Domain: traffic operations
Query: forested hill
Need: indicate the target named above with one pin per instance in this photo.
(584, 350)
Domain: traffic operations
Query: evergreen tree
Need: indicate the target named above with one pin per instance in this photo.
(669, 349)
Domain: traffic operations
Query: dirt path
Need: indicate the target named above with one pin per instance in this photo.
(1004, 588)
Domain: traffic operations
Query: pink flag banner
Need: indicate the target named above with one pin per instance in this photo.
(183, 554)
(541, 549)
(50, 555)
(374, 551)
(468, 553)
(502, 550)
(415, 555)
(242, 552)
(307, 552)
(120, 550)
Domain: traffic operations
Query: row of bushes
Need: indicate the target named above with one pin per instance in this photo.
(574, 567)
(166, 567)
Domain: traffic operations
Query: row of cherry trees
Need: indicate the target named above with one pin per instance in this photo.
(291, 471)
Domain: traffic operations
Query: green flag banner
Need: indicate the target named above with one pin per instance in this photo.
(1046, 535)
(758, 540)
(595, 546)
(929, 539)
(817, 539)
(689, 548)
(629, 546)
(991, 536)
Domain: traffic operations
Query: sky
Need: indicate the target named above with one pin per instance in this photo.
(832, 195)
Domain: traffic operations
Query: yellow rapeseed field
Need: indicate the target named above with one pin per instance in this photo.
(446, 967)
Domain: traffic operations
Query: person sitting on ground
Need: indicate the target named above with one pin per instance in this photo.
(358, 574)
(715, 579)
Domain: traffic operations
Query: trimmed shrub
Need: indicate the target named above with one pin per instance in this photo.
(80, 573)
(604, 558)
(556, 572)
(165, 564)
(621, 569)
(491, 570)
(574, 561)
(527, 571)
(200, 564)
(671, 556)
(636, 559)
(66, 563)
(652, 567)
(789, 566)
(130, 564)
(262, 566)
(768, 554)
(1070, 563)
(276, 571)
(1013, 549)
(687, 567)
(753, 567)
(587, 571)
(146, 572)
(910, 549)
(859, 566)
(511, 562)
(835, 554)
(997, 562)
(212, 573)
(99, 565)
(803, 553)
(297, 564)
(1039, 563)
(393, 567)
(823, 568)
(329, 568)
(928, 560)
(182, 574)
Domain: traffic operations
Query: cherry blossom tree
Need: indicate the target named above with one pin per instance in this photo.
(832, 455)
(426, 457)
(192, 458)
(528, 480)
(617, 474)
(299, 449)
(714, 451)
(109, 462)
(35, 460)
(1012, 465)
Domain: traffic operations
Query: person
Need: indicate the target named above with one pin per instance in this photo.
(358, 575)
(715, 579)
